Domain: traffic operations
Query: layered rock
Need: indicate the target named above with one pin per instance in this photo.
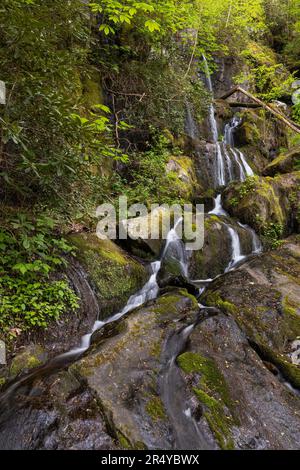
(234, 393)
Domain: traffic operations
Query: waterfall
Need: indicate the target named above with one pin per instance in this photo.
(256, 243)
(218, 209)
(175, 243)
(236, 248)
(239, 158)
(224, 168)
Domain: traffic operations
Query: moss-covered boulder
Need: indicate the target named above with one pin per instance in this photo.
(269, 205)
(233, 391)
(284, 163)
(181, 171)
(124, 371)
(114, 274)
(27, 358)
(263, 296)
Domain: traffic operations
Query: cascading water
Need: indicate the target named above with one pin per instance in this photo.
(226, 158)
(238, 157)
(256, 243)
(188, 434)
(148, 292)
(237, 255)
(190, 124)
(218, 209)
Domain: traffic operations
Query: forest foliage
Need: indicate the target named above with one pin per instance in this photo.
(61, 154)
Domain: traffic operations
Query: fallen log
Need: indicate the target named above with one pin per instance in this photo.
(239, 104)
(266, 106)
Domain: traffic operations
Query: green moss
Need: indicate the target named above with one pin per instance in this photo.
(27, 360)
(124, 442)
(155, 409)
(290, 371)
(2, 381)
(92, 92)
(211, 377)
(218, 422)
(213, 299)
(209, 221)
(289, 308)
(169, 303)
(213, 394)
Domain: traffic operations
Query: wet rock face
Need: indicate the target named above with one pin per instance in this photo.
(242, 402)
(263, 297)
(260, 202)
(147, 234)
(205, 157)
(124, 371)
(60, 413)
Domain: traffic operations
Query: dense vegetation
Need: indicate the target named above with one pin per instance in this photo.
(96, 103)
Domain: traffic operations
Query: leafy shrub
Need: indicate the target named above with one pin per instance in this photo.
(29, 256)
(272, 235)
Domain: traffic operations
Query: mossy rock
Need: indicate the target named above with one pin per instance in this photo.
(264, 298)
(266, 204)
(147, 234)
(235, 395)
(259, 137)
(182, 174)
(31, 357)
(92, 91)
(284, 163)
(114, 274)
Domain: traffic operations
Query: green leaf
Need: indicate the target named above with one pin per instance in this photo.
(152, 26)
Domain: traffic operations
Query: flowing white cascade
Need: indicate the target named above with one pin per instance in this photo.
(245, 169)
(248, 169)
(237, 255)
(224, 171)
(148, 292)
(239, 164)
(175, 242)
(218, 209)
(228, 163)
(256, 243)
